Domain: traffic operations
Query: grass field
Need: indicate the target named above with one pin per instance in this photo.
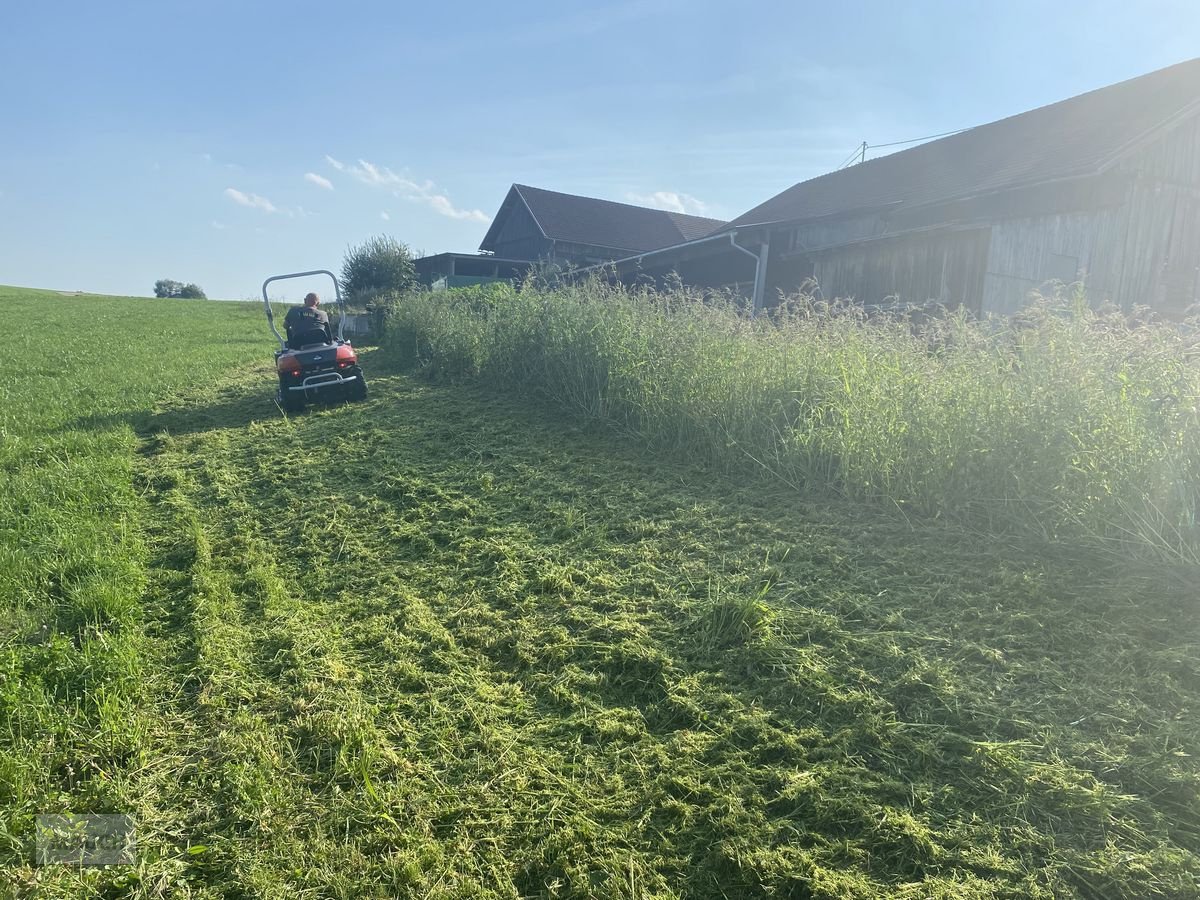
(451, 643)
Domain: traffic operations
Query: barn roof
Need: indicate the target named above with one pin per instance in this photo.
(1072, 138)
(600, 223)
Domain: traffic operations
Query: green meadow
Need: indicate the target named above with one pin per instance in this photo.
(599, 596)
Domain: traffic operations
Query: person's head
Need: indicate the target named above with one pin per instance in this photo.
(312, 300)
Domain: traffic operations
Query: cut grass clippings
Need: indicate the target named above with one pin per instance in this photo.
(445, 643)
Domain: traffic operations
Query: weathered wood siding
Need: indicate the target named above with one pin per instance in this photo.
(1162, 246)
(1131, 233)
(1173, 158)
(1138, 246)
(1026, 254)
(944, 266)
(520, 237)
(812, 237)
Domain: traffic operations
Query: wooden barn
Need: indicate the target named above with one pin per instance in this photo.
(1102, 188)
(568, 230)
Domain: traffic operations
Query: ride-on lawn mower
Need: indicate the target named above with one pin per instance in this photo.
(313, 365)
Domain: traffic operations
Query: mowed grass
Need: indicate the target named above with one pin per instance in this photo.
(447, 643)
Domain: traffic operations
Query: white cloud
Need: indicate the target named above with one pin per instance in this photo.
(671, 201)
(442, 205)
(319, 180)
(220, 226)
(377, 176)
(401, 186)
(251, 200)
(385, 217)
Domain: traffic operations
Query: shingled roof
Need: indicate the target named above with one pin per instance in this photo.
(601, 223)
(1072, 138)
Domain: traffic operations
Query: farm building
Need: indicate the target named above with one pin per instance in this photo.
(569, 230)
(448, 270)
(534, 225)
(1103, 187)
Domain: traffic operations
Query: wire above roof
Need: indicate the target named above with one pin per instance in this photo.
(1072, 138)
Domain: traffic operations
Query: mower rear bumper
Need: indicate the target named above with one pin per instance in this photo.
(323, 380)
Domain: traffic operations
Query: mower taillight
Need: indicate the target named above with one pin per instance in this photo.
(346, 356)
(289, 365)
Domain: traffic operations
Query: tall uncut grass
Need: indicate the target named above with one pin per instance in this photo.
(1068, 422)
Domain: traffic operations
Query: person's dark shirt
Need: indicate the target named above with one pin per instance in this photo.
(300, 319)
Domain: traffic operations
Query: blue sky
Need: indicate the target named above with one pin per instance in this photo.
(220, 142)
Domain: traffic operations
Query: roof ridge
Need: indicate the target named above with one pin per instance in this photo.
(688, 215)
(657, 209)
(950, 138)
(517, 187)
(602, 200)
(1022, 169)
(610, 224)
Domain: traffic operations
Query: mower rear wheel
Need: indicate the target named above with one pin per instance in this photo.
(358, 390)
(292, 401)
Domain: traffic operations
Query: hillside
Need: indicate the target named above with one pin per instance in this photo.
(453, 643)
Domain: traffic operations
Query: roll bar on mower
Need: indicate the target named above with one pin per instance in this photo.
(337, 294)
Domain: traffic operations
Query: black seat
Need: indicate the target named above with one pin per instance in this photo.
(307, 338)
